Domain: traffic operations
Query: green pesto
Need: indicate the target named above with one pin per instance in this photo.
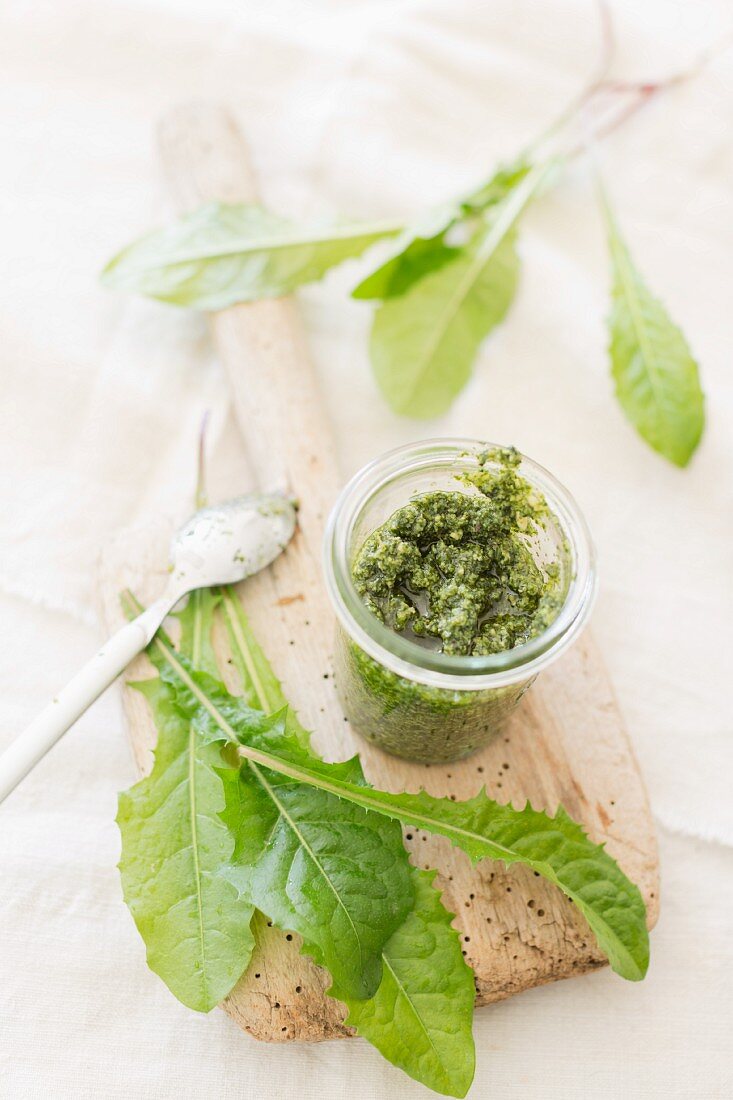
(453, 569)
(453, 572)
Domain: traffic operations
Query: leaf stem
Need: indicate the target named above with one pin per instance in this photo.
(270, 244)
(601, 85)
(230, 609)
(201, 497)
(643, 92)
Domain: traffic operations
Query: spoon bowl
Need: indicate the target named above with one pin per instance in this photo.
(225, 543)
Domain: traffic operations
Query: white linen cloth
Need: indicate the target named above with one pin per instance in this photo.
(368, 109)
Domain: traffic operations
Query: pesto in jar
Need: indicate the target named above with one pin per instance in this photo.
(458, 571)
(453, 570)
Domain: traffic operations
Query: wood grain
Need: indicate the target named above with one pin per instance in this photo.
(566, 743)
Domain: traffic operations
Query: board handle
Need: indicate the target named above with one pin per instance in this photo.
(261, 344)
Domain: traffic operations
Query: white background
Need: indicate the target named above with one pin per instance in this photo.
(363, 109)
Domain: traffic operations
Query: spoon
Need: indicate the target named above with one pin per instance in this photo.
(222, 544)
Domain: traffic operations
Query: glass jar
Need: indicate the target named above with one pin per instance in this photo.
(419, 703)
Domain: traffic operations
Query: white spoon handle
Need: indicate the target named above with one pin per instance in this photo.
(79, 694)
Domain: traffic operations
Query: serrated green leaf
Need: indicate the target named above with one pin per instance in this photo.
(421, 248)
(226, 253)
(329, 871)
(497, 187)
(334, 873)
(178, 827)
(312, 867)
(420, 1017)
(657, 379)
(423, 343)
(556, 847)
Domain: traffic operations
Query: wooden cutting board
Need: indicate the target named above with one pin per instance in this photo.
(565, 744)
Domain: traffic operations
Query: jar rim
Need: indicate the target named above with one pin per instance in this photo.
(407, 658)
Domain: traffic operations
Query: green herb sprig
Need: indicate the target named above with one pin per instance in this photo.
(450, 278)
(239, 815)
